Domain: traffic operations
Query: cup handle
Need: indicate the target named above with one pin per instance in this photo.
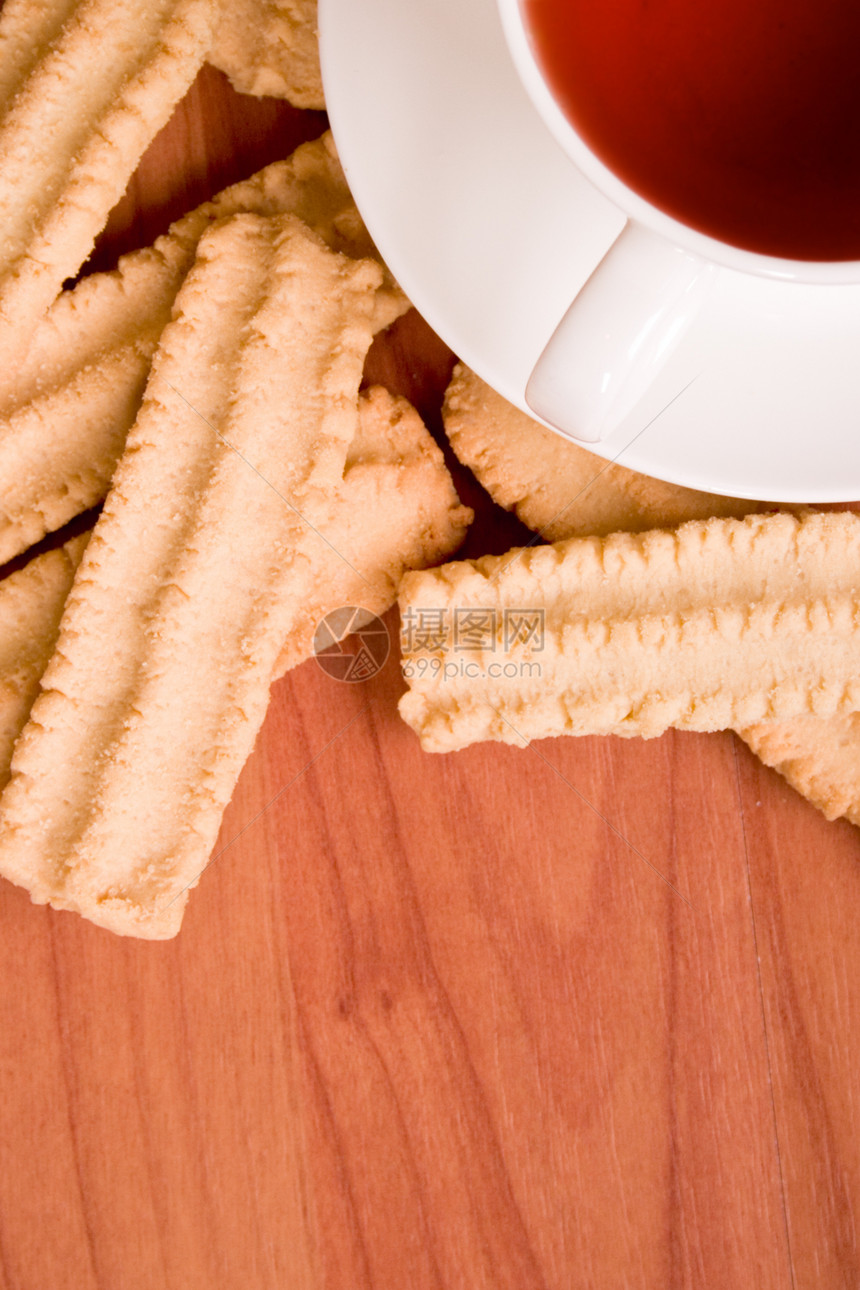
(617, 334)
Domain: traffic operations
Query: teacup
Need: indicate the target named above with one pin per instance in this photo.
(694, 212)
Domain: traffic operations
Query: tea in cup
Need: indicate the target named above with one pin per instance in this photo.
(728, 132)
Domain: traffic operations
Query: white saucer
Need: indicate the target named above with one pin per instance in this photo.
(491, 232)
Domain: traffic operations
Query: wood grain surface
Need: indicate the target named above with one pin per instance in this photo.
(583, 1015)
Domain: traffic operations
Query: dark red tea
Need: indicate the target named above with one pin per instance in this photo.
(739, 117)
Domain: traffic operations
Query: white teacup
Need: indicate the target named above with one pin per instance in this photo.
(642, 297)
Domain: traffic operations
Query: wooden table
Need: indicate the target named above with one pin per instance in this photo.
(578, 1016)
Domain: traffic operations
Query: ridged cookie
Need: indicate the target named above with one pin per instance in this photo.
(66, 408)
(271, 48)
(721, 623)
(85, 87)
(560, 490)
(553, 485)
(193, 578)
(396, 509)
(31, 606)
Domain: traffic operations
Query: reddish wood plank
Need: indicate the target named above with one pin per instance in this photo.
(512, 1028)
(805, 883)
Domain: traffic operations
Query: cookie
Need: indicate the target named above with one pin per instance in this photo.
(85, 88)
(556, 487)
(31, 606)
(66, 408)
(718, 624)
(194, 577)
(270, 48)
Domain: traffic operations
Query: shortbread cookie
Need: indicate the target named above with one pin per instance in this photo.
(86, 86)
(721, 623)
(31, 606)
(65, 410)
(819, 756)
(560, 490)
(553, 485)
(193, 579)
(271, 48)
(396, 509)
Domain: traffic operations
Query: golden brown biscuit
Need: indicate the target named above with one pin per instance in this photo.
(396, 509)
(66, 408)
(536, 473)
(554, 486)
(194, 576)
(31, 606)
(271, 48)
(721, 623)
(819, 756)
(85, 88)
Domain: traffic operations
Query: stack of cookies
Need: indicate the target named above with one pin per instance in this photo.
(207, 391)
(746, 616)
